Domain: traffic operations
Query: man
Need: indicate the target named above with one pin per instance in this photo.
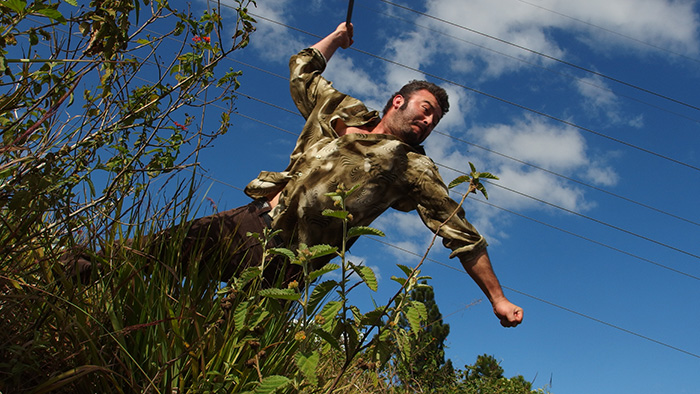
(342, 143)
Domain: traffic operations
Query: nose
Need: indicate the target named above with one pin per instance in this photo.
(428, 122)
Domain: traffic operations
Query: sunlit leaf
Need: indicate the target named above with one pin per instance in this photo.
(282, 252)
(307, 364)
(17, 6)
(416, 314)
(458, 181)
(271, 384)
(324, 270)
(401, 281)
(329, 313)
(319, 293)
(336, 213)
(368, 276)
(364, 230)
(406, 270)
(283, 294)
(321, 250)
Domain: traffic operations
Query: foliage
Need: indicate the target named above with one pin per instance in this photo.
(427, 368)
(486, 376)
(96, 111)
(95, 107)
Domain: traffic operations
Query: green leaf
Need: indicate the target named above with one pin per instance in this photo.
(336, 214)
(52, 14)
(458, 181)
(282, 294)
(482, 189)
(307, 364)
(17, 6)
(239, 316)
(247, 275)
(321, 250)
(401, 281)
(319, 293)
(406, 269)
(271, 384)
(282, 252)
(324, 270)
(367, 276)
(329, 313)
(416, 314)
(364, 230)
(328, 337)
(373, 317)
(487, 175)
(74, 3)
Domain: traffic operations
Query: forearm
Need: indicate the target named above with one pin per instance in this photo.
(340, 38)
(481, 271)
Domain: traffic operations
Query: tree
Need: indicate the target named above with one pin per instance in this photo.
(100, 102)
(427, 367)
(485, 376)
(96, 106)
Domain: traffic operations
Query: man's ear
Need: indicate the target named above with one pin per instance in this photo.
(397, 101)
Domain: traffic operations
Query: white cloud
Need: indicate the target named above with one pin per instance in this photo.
(668, 24)
(540, 186)
(406, 231)
(601, 24)
(352, 80)
(274, 41)
(553, 147)
(535, 141)
(599, 101)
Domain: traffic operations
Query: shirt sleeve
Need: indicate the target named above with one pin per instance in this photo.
(306, 84)
(435, 207)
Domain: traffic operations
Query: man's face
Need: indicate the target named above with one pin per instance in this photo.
(414, 118)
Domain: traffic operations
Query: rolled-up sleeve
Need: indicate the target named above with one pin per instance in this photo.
(306, 84)
(434, 206)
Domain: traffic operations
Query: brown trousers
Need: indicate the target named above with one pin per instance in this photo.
(218, 242)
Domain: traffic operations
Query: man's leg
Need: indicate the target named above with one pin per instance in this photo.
(219, 243)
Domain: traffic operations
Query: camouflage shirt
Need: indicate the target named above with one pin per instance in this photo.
(390, 173)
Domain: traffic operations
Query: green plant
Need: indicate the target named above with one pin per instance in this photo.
(96, 118)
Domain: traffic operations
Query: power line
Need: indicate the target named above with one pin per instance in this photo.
(542, 300)
(570, 179)
(503, 100)
(496, 185)
(616, 80)
(544, 223)
(532, 64)
(522, 293)
(612, 32)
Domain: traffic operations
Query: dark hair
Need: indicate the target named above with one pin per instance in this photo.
(408, 89)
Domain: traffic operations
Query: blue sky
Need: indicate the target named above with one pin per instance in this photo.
(593, 225)
(588, 113)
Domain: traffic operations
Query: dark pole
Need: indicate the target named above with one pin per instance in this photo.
(352, 3)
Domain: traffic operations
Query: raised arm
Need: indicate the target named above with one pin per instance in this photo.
(481, 271)
(340, 38)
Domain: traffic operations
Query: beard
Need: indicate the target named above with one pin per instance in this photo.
(401, 125)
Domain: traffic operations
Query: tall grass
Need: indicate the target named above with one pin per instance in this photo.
(147, 324)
